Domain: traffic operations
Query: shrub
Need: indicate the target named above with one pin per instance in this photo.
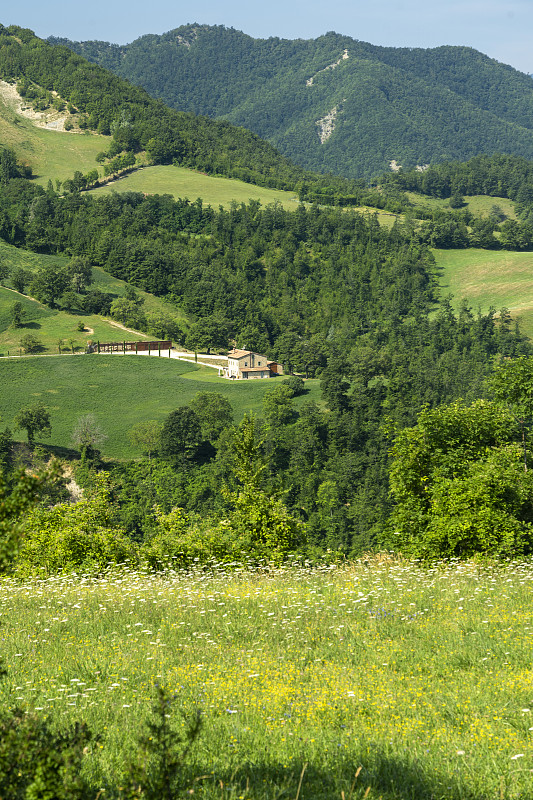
(73, 537)
(30, 343)
(37, 763)
(295, 384)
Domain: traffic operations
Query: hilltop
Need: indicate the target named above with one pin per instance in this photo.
(334, 104)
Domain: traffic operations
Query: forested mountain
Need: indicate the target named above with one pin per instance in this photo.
(334, 103)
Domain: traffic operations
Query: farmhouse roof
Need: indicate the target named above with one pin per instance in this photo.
(238, 354)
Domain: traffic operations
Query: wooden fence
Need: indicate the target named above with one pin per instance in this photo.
(130, 347)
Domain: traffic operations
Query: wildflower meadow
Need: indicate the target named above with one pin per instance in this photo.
(384, 678)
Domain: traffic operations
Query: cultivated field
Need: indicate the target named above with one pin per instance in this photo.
(422, 677)
(182, 182)
(489, 278)
(120, 390)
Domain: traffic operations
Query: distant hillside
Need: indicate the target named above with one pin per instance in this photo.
(334, 103)
(109, 105)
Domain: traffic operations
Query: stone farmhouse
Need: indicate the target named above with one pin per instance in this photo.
(245, 365)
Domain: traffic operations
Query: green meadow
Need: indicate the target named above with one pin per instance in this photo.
(51, 325)
(489, 278)
(120, 390)
(479, 205)
(380, 679)
(182, 182)
(52, 154)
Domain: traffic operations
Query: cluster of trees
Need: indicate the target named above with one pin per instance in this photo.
(460, 478)
(9, 168)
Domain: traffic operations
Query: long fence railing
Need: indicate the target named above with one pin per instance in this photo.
(130, 347)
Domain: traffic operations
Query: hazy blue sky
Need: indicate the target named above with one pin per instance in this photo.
(502, 29)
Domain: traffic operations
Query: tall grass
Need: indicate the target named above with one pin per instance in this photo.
(420, 676)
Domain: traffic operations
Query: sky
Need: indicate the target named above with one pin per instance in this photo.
(502, 29)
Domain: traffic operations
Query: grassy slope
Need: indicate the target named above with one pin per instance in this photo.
(120, 390)
(50, 325)
(479, 205)
(181, 182)
(57, 155)
(421, 676)
(486, 277)
(51, 154)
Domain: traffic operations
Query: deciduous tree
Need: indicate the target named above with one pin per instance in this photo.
(34, 419)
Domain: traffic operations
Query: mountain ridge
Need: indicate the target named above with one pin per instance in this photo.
(411, 105)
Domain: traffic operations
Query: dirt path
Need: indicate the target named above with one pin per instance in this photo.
(129, 330)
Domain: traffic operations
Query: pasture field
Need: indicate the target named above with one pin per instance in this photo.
(182, 182)
(479, 205)
(120, 390)
(52, 154)
(489, 278)
(420, 676)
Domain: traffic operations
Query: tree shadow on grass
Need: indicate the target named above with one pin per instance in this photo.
(68, 453)
(382, 776)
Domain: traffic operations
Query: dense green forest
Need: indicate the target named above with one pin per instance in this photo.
(410, 105)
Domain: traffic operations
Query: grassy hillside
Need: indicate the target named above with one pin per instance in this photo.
(119, 390)
(56, 155)
(182, 182)
(49, 325)
(490, 278)
(51, 154)
(394, 679)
